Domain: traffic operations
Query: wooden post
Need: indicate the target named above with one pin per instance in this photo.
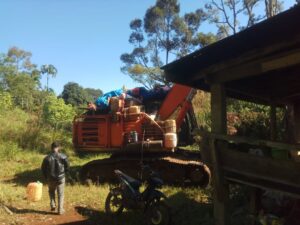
(219, 125)
(290, 133)
(273, 128)
(293, 123)
(253, 203)
(296, 120)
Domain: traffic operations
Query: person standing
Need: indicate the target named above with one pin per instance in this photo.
(54, 168)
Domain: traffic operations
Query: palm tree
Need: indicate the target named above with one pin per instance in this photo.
(49, 70)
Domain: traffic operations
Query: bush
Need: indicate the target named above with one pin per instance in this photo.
(5, 101)
(57, 113)
(13, 125)
(9, 151)
(201, 104)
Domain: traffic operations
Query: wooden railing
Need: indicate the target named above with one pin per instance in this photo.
(257, 171)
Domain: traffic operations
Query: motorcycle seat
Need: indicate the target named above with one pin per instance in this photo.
(134, 183)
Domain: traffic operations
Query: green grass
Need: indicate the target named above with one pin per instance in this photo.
(189, 205)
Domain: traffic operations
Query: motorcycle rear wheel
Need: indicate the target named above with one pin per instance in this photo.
(158, 213)
(113, 202)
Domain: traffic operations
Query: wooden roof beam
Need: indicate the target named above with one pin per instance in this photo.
(252, 68)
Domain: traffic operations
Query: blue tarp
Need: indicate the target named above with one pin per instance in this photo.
(141, 93)
(148, 95)
(102, 102)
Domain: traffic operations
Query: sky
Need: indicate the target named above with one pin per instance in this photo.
(83, 39)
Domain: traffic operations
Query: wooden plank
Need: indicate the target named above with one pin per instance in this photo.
(284, 172)
(240, 69)
(250, 141)
(257, 67)
(263, 184)
(279, 62)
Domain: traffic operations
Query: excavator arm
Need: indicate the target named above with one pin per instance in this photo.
(179, 98)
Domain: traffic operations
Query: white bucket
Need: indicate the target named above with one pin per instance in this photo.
(170, 140)
(170, 126)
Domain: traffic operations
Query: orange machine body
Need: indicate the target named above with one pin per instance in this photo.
(111, 132)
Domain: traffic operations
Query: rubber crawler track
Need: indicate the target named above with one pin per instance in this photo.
(175, 168)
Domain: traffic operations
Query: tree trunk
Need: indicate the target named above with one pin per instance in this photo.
(47, 82)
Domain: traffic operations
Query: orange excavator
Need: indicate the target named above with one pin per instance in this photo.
(147, 133)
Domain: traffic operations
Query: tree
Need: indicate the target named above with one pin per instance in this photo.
(50, 70)
(16, 62)
(56, 112)
(22, 88)
(228, 14)
(273, 7)
(20, 60)
(19, 76)
(93, 94)
(162, 35)
(74, 94)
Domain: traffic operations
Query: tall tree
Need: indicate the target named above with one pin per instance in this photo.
(273, 7)
(74, 94)
(49, 70)
(231, 16)
(161, 36)
(57, 113)
(19, 76)
(93, 94)
(20, 60)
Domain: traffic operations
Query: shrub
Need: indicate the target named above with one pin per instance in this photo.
(13, 125)
(9, 151)
(57, 113)
(5, 101)
(201, 104)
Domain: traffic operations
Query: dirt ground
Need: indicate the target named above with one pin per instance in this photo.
(72, 217)
(35, 217)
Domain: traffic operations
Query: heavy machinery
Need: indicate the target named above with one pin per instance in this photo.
(144, 134)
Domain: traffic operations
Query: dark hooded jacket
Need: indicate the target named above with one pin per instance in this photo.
(55, 166)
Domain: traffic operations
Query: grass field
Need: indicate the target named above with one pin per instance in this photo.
(189, 205)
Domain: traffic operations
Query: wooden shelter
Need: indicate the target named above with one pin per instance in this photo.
(260, 64)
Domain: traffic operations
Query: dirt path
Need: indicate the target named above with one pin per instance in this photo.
(30, 217)
(73, 218)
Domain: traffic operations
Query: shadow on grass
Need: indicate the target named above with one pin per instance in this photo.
(25, 177)
(183, 211)
(28, 176)
(26, 211)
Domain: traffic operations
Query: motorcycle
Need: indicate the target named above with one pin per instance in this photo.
(127, 195)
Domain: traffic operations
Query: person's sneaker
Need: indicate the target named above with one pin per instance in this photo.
(52, 209)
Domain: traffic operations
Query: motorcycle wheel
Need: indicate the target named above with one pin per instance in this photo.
(113, 202)
(158, 213)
